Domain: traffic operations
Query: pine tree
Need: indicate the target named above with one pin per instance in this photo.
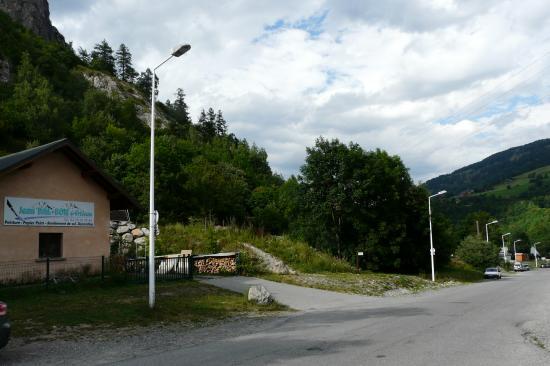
(125, 70)
(84, 56)
(221, 125)
(179, 126)
(206, 125)
(143, 82)
(102, 58)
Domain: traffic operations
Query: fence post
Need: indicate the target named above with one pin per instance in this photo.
(47, 271)
(102, 268)
(191, 264)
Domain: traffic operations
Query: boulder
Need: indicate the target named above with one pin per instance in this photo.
(137, 233)
(260, 295)
(141, 241)
(145, 231)
(131, 226)
(128, 237)
(122, 229)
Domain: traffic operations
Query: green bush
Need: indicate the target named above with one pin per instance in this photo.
(478, 253)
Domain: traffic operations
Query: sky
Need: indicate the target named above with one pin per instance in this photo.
(440, 83)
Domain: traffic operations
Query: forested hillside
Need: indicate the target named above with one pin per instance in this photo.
(495, 169)
(345, 200)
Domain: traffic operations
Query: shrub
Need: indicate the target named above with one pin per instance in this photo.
(478, 253)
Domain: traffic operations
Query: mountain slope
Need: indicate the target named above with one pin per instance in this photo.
(494, 170)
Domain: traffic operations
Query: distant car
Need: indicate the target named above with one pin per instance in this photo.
(4, 325)
(526, 267)
(544, 265)
(492, 273)
(518, 267)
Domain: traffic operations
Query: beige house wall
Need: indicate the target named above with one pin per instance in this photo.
(54, 176)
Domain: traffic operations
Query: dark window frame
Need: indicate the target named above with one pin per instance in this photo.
(43, 239)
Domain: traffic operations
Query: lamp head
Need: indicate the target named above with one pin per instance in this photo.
(493, 222)
(180, 50)
(441, 192)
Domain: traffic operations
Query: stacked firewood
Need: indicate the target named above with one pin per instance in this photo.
(214, 265)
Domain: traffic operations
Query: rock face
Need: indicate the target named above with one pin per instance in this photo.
(260, 295)
(33, 15)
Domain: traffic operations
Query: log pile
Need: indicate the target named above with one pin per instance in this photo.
(215, 264)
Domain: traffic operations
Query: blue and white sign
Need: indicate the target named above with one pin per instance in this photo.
(21, 211)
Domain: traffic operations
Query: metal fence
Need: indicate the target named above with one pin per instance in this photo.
(55, 271)
(49, 270)
(166, 268)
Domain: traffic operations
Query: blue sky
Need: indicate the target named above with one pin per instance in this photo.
(441, 83)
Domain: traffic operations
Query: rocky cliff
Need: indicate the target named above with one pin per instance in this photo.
(33, 15)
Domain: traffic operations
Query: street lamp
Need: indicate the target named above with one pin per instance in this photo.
(153, 215)
(432, 250)
(515, 241)
(536, 261)
(487, 228)
(503, 250)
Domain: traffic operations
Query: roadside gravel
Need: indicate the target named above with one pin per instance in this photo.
(106, 346)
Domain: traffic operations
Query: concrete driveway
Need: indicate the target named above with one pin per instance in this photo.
(296, 297)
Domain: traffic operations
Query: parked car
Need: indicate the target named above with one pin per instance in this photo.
(4, 325)
(492, 273)
(526, 267)
(518, 267)
(544, 265)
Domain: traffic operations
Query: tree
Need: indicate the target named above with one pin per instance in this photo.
(207, 125)
(102, 58)
(180, 122)
(125, 71)
(33, 112)
(144, 83)
(84, 56)
(221, 125)
(478, 253)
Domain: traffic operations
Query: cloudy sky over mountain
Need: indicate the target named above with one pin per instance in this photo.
(441, 83)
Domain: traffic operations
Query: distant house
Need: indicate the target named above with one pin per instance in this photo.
(56, 204)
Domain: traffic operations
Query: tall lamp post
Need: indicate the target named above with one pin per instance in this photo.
(536, 261)
(515, 241)
(432, 250)
(153, 217)
(487, 228)
(503, 250)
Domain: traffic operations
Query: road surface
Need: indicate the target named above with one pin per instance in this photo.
(504, 322)
(491, 323)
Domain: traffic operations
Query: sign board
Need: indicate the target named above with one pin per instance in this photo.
(19, 211)
(359, 253)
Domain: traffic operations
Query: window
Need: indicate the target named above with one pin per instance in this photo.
(49, 245)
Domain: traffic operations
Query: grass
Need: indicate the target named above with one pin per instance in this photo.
(518, 184)
(209, 239)
(36, 311)
(459, 271)
(381, 284)
(364, 283)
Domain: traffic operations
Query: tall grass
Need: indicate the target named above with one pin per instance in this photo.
(210, 239)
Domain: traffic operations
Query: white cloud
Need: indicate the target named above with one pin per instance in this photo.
(417, 78)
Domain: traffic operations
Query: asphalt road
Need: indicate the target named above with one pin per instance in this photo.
(504, 322)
